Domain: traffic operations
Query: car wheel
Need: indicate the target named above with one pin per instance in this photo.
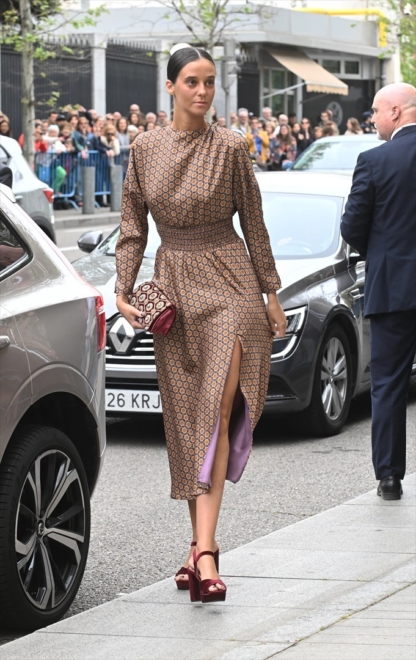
(44, 527)
(332, 385)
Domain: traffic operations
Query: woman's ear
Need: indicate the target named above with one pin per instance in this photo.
(169, 87)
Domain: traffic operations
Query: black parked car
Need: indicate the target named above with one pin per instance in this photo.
(323, 361)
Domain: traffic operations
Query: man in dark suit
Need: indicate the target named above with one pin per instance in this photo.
(380, 222)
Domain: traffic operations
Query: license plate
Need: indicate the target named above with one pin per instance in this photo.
(133, 401)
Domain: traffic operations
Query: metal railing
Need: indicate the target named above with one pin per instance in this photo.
(63, 173)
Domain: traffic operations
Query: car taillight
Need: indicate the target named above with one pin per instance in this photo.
(101, 325)
(49, 194)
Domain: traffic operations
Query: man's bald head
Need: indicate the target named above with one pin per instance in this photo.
(394, 106)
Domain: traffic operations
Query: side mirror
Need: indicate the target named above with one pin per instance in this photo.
(89, 241)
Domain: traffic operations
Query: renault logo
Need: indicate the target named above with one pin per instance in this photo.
(121, 335)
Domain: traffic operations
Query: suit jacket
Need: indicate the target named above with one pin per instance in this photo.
(6, 175)
(380, 222)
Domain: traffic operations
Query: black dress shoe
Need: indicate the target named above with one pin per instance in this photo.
(390, 488)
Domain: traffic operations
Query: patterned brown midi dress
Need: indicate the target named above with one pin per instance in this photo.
(193, 182)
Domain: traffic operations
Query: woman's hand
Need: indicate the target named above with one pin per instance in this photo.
(277, 317)
(130, 313)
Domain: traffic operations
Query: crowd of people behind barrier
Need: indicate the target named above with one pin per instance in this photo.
(72, 137)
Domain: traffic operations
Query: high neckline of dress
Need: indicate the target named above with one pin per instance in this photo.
(189, 135)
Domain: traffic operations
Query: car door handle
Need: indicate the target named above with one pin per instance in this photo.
(4, 341)
(356, 294)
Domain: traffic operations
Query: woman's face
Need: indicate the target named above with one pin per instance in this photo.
(150, 126)
(83, 125)
(349, 125)
(73, 121)
(194, 88)
(122, 124)
(134, 118)
(141, 129)
(111, 133)
(4, 127)
(284, 131)
(296, 127)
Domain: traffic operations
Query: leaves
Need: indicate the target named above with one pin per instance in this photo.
(208, 20)
(401, 32)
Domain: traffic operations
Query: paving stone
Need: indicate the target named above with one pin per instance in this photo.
(299, 583)
(307, 651)
(47, 646)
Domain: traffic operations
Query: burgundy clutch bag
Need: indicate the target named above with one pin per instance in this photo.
(159, 312)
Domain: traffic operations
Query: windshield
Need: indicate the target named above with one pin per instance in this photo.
(108, 246)
(302, 226)
(334, 155)
(299, 226)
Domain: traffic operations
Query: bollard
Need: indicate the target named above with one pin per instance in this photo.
(88, 189)
(116, 185)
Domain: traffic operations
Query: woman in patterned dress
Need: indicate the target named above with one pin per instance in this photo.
(213, 366)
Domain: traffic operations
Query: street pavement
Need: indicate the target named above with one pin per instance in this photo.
(338, 585)
(69, 225)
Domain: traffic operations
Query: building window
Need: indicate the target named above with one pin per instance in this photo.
(352, 67)
(333, 66)
(273, 81)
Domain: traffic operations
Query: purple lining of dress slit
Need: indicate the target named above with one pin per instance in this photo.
(240, 446)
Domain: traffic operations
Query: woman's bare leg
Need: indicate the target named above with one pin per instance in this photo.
(192, 515)
(208, 505)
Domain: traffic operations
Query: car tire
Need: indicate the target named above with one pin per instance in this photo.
(44, 527)
(332, 386)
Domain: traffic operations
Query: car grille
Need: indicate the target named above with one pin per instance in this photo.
(128, 346)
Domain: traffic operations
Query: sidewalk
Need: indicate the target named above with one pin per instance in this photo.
(339, 585)
(73, 218)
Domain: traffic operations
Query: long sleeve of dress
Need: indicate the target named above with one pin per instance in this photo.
(133, 226)
(247, 201)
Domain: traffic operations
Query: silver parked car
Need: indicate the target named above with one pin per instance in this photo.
(52, 421)
(337, 154)
(34, 196)
(324, 359)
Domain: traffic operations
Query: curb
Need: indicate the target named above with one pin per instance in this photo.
(66, 221)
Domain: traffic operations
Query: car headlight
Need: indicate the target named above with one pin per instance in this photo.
(295, 322)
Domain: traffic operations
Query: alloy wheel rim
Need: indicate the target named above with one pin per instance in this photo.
(50, 529)
(334, 379)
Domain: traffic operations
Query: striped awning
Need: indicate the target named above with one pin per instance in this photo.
(317, 78)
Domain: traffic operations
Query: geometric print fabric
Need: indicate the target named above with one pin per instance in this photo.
(193, 182)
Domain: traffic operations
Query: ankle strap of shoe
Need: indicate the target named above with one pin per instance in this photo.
(201, 554)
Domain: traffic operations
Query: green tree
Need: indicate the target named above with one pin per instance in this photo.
(27, 26)
(208, 20)
(402, 30)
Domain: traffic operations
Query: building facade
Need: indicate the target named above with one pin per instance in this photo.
(286, 56)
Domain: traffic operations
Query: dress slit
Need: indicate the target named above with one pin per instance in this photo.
(240, 438)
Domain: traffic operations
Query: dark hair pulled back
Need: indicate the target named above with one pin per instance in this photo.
(184, 56)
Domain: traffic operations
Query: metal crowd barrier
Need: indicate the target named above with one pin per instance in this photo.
(63, 173)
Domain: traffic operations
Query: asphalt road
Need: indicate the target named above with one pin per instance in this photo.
(140, 535)
(66, 239)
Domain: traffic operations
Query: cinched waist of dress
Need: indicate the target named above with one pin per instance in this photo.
(199, 237)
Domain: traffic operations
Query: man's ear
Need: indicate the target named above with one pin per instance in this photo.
(395, 112)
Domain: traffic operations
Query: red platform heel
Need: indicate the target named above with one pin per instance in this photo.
(183, 585)
(199, 590)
